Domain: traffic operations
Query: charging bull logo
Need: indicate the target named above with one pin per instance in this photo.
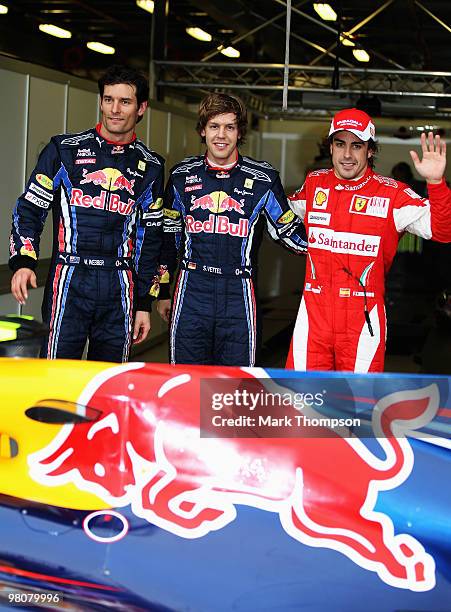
(145, 450)
(109, 178)
(217, 202)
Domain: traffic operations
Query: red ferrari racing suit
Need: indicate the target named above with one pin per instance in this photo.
(353, 229)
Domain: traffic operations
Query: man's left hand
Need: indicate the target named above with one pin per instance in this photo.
(141, 327)
(432, 165)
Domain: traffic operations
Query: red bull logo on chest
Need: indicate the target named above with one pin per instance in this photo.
(111, 179)
(105, 201)
(217, 224)
(146, 451)
(217, 202)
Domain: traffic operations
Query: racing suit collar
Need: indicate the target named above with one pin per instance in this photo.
(110, 142)
(223, 169)
(353, 185)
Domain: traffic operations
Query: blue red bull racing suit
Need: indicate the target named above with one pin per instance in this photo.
(215, 218)
(106, 200)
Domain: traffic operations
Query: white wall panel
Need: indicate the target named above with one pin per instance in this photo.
(13, 110)
(158, 131)
(142, 128)
(81, 110)
(47, 116)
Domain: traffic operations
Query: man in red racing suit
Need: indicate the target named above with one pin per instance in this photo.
(354, 219)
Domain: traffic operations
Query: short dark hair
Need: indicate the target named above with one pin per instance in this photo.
(117, 74)
(372, 146)
(218, 104)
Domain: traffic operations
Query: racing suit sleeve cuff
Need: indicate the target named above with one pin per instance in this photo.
(438, 188)
(22, 261)
(164, 293)
(145, 303)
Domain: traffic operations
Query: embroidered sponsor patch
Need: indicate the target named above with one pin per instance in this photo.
(385, 180)
(413, 194)
(343, 242)
(217, 224)
(319, 218)
(157, 204)
(12, 247)
(373, 206)
(31, 197)
(191, 179)
(344, 292)
(85, 153)
(193, 187)
(320, 198)
(287, 217)
(41, 192)
(85, 160)
(45, 181)
(112, 204)
(172, 214)
(312, 289)
(27, 248)
(362, 293)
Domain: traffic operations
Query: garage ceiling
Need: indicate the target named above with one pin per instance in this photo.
(399, 35)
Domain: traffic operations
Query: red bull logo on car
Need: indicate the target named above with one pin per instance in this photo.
(146, 451)
(217, 202)
(108, 178)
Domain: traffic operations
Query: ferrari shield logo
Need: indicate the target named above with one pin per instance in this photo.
(359, 204)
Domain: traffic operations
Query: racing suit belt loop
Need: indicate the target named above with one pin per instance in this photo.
(219, 270)
(95, 261)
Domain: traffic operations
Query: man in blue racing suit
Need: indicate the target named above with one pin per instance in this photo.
(216, 206)
(105, 190)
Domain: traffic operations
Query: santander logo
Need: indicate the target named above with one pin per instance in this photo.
(344, 242)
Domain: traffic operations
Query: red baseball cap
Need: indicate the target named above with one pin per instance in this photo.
(355, 121)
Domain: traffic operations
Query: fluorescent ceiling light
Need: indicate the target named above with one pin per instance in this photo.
(346, 42)
(199, 34)
(146, 5)
(101, 48)
(229, 51)
(361, 55)
(325, 11)
(54, 30)
(3, 9)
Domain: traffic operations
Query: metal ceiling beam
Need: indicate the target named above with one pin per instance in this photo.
(307, 42)
(335, 32)
(428, 12)
(357, 27)
(378, 92)
(261, 77)
(263, 25)
(225, 17)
